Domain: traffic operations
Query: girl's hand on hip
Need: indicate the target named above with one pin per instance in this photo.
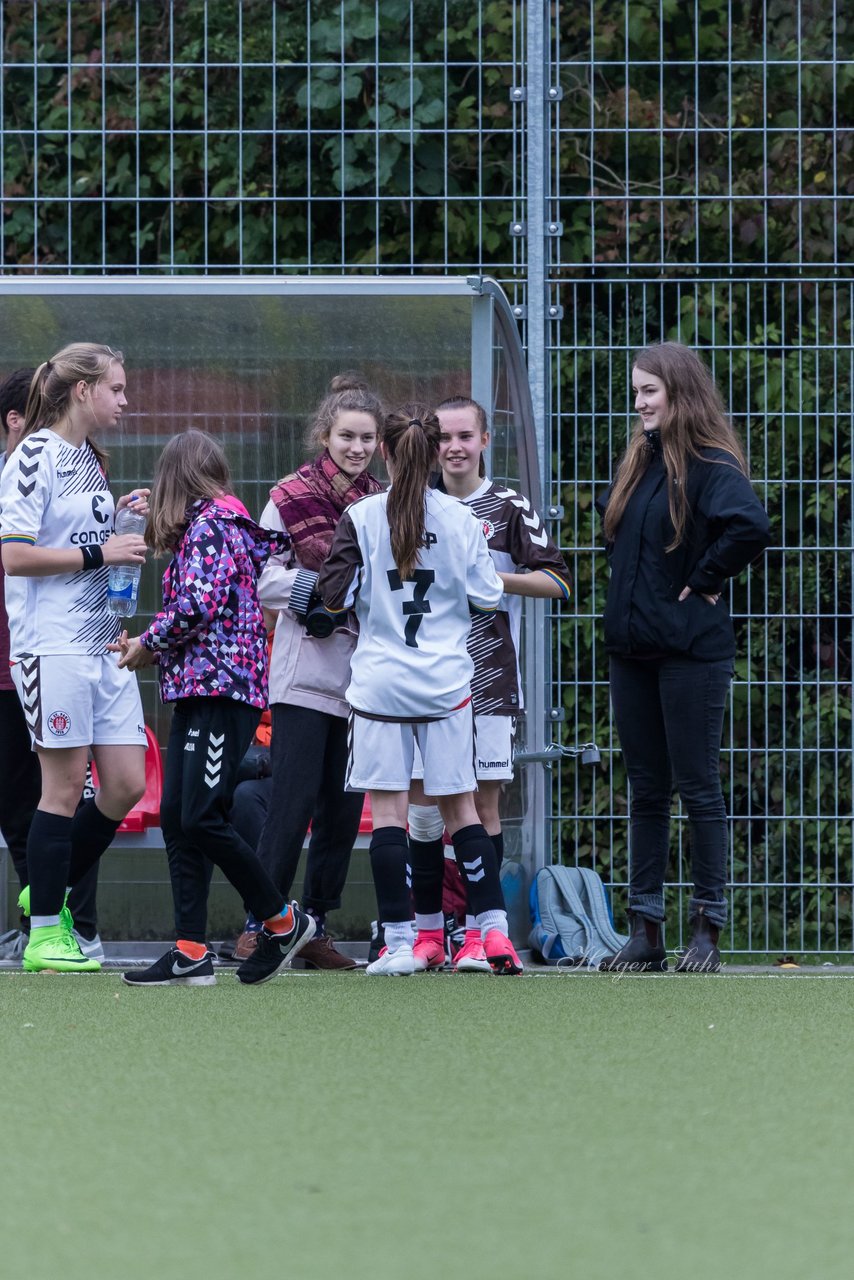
(124, 548)
(686, 592)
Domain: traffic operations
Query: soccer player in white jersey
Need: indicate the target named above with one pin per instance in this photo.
(56, 528)
(414, 564)
(529, 564)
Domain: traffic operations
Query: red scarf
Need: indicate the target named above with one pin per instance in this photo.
(312, 501)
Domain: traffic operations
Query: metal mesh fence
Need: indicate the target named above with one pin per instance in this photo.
(628, 171)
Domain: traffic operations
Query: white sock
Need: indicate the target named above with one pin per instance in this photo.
(433, 921)
(43, 922)
(471, 924)
(492, 920)
(399, 934)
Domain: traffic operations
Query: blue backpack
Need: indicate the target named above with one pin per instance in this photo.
(571, 917)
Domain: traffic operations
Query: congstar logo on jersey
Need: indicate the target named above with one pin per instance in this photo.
(89, 537)
(95, 537)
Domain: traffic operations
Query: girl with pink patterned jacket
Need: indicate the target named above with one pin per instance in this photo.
(210, 642)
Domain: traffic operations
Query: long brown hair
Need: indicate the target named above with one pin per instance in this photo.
(695, 419)
(410, 437)
(53, 382)
(192, 466)
(347, 391)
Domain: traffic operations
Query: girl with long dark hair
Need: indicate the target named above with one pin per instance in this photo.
(680, 519)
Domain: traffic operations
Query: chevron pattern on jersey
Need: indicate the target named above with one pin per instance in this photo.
(517, 540)
(28, 464)
(530, 518)
(213, 760)
(31, 695)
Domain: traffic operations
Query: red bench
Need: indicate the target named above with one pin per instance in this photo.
(147, 812)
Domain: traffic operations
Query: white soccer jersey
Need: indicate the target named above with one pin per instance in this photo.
(411, 660)
(55, 494)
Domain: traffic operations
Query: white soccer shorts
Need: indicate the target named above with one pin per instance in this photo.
(382, 754)
(79, 700)
(493, 758)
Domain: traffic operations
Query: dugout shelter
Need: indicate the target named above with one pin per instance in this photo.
(247, 359)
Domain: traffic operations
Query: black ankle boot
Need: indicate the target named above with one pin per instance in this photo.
(701, 955)
(643, 953)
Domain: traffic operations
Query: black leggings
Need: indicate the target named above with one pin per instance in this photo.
(669, 715)
(309, 757)
(207, 741)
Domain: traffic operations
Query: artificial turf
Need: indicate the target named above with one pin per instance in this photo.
(332, 1124)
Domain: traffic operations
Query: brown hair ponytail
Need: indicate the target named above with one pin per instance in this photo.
(54, 381)
(410, 437)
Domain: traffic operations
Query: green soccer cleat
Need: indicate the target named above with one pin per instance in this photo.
(66, 919)
(56, 948)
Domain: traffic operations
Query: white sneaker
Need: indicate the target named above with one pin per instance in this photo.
(92, 948)
(400, 962)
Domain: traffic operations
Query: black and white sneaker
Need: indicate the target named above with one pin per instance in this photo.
(174, 969)
(275, 950)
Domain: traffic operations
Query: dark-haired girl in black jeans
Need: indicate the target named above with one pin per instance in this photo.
(680, 518)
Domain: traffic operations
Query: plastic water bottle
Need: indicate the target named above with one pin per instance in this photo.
(123, 579)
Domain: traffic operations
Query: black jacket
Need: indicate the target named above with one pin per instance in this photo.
(727, 528)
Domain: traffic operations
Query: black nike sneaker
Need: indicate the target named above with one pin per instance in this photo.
(174, 969)
(275, 950)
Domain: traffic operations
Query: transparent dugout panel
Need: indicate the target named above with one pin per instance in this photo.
(248, 361)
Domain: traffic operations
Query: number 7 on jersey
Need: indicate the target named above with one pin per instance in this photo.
(414, 609)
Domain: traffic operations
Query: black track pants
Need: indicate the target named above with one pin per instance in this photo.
(207, 742)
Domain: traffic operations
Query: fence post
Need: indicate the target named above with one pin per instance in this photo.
(536, 829)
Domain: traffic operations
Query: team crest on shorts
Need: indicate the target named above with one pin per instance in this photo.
(59, 722)
(488, 529)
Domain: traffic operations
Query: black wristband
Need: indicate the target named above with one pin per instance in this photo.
(93, 558)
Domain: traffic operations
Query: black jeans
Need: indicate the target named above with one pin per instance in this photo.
(309, 767)
(207, 742)
(669, 714)
(20, 792)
